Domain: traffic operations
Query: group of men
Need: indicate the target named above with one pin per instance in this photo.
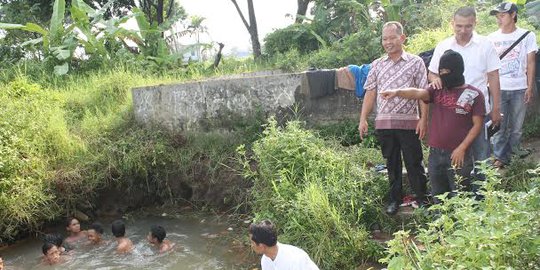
(456, 83)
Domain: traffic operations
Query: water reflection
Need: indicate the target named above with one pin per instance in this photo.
(192, 250)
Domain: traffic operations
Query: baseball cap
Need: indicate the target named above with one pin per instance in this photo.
(504, 7)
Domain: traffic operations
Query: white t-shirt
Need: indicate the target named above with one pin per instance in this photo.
(288, 258)
(514, 64)
(479, 57)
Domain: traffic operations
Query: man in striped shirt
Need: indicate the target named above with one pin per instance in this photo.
(398, 126)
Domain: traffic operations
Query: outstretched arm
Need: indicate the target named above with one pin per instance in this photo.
(408, 93)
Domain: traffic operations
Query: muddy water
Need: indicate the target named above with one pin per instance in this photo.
(198, 245)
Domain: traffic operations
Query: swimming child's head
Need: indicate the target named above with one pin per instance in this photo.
(51, 253)
(54, 238)
(157, 234)
(73, 225)
(118, 228)
(94, 232)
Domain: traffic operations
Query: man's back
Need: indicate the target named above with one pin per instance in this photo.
(288, 258)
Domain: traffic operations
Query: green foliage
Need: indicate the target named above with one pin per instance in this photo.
(359, 48)
(33, 138)
(319, 194)
(499, 232)
(296, 37)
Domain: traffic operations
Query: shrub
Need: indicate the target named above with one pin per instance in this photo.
(321, 196)
(298, 37)
(33, 139)
(499, 232)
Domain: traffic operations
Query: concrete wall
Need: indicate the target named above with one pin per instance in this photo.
(196, 105)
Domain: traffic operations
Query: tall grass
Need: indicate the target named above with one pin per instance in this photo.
(320, 194)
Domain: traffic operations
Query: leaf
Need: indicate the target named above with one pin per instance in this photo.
(61, 69)
(57, 19)
(32, 42)
(32, 27)
(11, 26)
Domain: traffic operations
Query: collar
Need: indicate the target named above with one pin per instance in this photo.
(474, 39)
(404, 55)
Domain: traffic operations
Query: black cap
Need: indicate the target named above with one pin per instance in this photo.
(504, 7)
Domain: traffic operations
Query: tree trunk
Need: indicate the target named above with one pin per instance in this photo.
(302, 9)
(159, 12)
(253, 31)
(251, 27)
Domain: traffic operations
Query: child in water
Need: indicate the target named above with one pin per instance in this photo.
(156, 237)
(73, 226)
(57, 240)
(95, 233)
(51, 254)
(119, 230)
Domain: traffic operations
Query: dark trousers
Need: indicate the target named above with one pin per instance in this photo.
(394, 142)
(442, 176)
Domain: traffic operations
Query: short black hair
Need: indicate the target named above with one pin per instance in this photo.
(54, 238)
(158, 232)
(263, 232)
(96, 226)
(46, 247)
(118, 228)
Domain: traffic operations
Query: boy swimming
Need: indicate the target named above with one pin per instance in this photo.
(73, 226)
(156, 237)
(119, 230)
(95, 233)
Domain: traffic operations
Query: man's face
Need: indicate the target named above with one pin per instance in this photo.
(151, 239)
(257, 248)
(505, 19)
(93, 236)
(463, 27)
(53, 255)
(392, 42)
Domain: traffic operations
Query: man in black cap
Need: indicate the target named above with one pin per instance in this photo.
(456, 120)
(516, 77)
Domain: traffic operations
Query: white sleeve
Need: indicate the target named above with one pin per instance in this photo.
(531, 43)
(492, 58)
(434, 63)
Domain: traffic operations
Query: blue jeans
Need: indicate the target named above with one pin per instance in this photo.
(507, 139)
(442, 176)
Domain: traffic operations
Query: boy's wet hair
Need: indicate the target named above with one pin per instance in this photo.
(96, 226)
(54, 238)
(118, 228)
(158, 232)
(68, 220)
(46, 247)
(263, 233)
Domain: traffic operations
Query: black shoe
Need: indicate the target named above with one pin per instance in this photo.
(392, 208)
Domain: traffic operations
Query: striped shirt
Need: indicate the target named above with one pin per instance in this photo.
(385, 74)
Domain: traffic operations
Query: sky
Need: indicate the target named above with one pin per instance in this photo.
(225, 25)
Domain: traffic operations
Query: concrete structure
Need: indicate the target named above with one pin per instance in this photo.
(214, 103)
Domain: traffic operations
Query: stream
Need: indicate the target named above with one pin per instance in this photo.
(199, 244)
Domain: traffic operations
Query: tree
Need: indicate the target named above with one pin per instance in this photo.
(251, 27)
(301, 10)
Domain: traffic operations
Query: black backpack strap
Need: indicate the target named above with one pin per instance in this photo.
(513, 45)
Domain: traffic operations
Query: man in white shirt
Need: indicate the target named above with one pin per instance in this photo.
(275, 255)
(481, 67)
(517, 79)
